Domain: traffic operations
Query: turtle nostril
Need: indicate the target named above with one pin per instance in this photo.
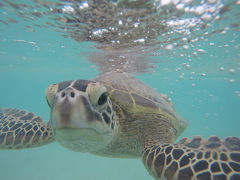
(72, 94)
(63, 94)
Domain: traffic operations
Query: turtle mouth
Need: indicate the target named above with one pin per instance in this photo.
(80, 134)
(80, 139)
(74, 135)
(74, 131)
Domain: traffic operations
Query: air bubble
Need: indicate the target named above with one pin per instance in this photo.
(136, 24)
(237, 93)
(187, 1)
(122, 57)
(195, 53)
(181, 76)
(180, 6)
(201, 51)
(221, 68)
(231, 70)
(175, 2)
(165, 2)
(186, 9)
(83, 5)
(206, 17)
(187, 66)
(211, 1)
(120, 22)
(199, 10)
(177, 69)
(223, 32)
(139, 40)
(169, 47)
(67, 8)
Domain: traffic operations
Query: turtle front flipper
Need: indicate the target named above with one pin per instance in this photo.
(20, 129)
(195, 159)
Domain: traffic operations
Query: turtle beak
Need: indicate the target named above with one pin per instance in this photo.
(62, 114)
(72, 110)
(67, 111)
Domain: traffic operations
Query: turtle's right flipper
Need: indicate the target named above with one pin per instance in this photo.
(20, 129)
(195, 159)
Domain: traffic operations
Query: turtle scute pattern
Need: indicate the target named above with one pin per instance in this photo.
(212, 159)
(21, 129)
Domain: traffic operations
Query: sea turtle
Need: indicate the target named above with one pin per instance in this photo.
(116, 115)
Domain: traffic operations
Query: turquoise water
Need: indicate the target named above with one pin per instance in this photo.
(205, 89)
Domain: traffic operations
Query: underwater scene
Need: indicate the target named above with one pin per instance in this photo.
(187, 50)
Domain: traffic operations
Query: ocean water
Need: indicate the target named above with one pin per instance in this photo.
(193, 56)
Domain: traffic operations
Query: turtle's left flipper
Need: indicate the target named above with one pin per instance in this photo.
(20, 129)
(195, 159)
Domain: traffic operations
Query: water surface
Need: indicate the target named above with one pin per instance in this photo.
(186, 49)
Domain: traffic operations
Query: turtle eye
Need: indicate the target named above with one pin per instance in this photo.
(97, 94)
(102, 99)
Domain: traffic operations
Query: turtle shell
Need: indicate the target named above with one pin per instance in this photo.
(133, 96)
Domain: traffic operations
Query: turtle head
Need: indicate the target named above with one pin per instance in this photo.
(81, 115)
